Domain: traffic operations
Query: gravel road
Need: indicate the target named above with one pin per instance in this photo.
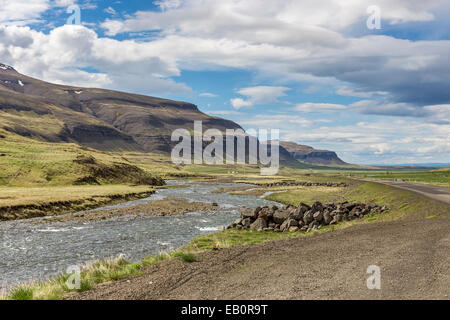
(413, 257)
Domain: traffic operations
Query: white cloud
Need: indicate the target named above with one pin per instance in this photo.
(22, 12)
(381, 141)
(383, 107)
(259, 95)
(295, 40)
(439, 114)
(357, 92)
(224, 112)
(168, 4)
(111, 11)
(320, 107)
(192, 16)
(275, 121)
(122, 65)
(208, 95)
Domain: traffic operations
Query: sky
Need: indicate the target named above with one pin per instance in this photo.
(323, 72)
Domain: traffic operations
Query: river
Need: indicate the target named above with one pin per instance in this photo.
(36, 249)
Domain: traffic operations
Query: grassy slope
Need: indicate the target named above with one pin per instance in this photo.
(40, 177)
(25, 162)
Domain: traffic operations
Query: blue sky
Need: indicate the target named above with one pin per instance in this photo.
(312, 69)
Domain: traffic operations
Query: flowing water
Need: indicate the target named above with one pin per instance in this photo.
(37, 249)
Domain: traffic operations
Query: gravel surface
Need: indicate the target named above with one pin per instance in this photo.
(414, 258)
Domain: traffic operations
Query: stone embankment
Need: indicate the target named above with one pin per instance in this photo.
(304, 184)
(304, 217)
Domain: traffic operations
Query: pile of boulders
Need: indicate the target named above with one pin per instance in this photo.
(302, 218)
(304, 184)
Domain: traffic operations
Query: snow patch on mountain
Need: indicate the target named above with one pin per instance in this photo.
(6, 67)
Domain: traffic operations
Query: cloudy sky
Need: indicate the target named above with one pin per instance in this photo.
(311, 68)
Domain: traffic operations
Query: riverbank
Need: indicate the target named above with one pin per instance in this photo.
(31, 202)
(156, 208)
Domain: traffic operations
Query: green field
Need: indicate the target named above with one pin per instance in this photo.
(436, 177)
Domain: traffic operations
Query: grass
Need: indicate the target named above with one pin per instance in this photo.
(435, 177)
(402, 204)
(188, 257)
(13, 196)
(91, 275)
(21, 202)
(22, 292)
(26, 162)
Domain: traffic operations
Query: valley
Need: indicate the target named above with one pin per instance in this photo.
(87, 178)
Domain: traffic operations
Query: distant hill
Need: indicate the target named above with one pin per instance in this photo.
(309, 155)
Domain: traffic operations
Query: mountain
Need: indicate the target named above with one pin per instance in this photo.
(102, 119)
(109, 120)
(312, 156)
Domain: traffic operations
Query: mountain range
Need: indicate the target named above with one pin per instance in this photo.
(111, 120)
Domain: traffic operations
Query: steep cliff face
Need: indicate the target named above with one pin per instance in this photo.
(310, 155)
(102, 119)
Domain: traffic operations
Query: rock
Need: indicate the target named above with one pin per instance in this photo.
(308, 218)
(317, 206)
(327, 218)
(236, 222)
(355, 211)
(263, 216)
(246, 222)
(336, 219)
(297, 214)
(303, 217)
(247, 213)
(288, 224)
(314, 224)
(318, 216)
(304, 207)
(293, 229)
(280, 216)
(259, 224)
(348, 206)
